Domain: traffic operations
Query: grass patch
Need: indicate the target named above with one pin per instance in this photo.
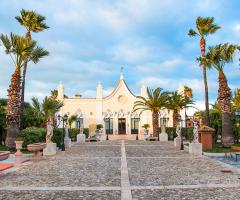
(3, 148)
(217, 148)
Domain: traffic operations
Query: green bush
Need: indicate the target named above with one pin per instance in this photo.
(188, 133)
(32, 135)
(73, 133)
(57, 136)
(171, 131)
(37, 135)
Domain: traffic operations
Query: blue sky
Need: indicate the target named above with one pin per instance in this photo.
(89, 41)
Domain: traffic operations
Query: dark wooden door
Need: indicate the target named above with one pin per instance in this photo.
(121, 126)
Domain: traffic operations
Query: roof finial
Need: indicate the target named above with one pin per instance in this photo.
(121, 75)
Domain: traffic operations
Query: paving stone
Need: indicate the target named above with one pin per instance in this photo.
(60, 195)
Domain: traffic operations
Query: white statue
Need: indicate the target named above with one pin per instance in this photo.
(49, 133)
(145, 134)
(178, 131)
(195, 131)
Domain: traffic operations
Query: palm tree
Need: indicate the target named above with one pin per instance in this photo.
(47, 109)
(176, 103)
(217, 57)
(156, 100)
(236, 99)
(72, 119)
(205, 26)
(33, 22)
(188, 93)
(20, 51)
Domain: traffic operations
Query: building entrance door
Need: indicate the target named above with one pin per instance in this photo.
(122, 126)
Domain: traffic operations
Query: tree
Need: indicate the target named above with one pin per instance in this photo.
(176, 103)
(157, 99)
(33, 22)
(20, 51)
(205, 26)
(188, 93)
(72, 119)
(236, 99)
(217, 57)
(47, 109)
(3, 105)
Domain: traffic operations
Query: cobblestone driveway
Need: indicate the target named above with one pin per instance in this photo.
(121, 170)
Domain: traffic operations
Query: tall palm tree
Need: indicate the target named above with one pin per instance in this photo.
(188, 93)
(157, 99)
(236, 99)
(47, 109)
(21, 51)
(205, 26)
(176, 103)
(33, 22)
(217, 57)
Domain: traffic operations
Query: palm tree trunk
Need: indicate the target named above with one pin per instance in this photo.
(28, 37)
(13, 109)
(202, 47)
(224, 100)
(175, 118)
(155, 124)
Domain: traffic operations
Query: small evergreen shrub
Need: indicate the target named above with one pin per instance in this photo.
(73, 133)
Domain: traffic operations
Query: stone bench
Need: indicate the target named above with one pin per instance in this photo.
(36, 148)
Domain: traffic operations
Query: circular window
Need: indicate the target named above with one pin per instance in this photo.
(122, 99)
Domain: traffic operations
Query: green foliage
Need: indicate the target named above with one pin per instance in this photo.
(187, 133)
(73, 133)
(32, 135)
(57, 136)
(86, 132)
(146, 126)
(99, 126)
(156, 100)
(218, 148)
(3, 148)
(72, 119)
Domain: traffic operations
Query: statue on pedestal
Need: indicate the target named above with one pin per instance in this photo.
(49, 133)
(178, 131)
(195, 131)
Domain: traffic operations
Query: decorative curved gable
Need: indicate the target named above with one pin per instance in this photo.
(121, 86)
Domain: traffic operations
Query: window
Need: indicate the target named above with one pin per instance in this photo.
(79, 123)
(134, 125)
(109, 125)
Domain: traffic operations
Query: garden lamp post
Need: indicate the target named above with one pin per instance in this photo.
(107, 120)
(64, 119)
(180, 123)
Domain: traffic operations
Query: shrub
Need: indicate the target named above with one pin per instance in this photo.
(86, 132)
(171, 131)
(37, 135)
(32, 135)
(99, 126)
(73, 133)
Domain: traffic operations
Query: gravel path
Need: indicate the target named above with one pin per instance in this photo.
(121, 170)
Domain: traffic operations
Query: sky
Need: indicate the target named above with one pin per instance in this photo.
(89, 41)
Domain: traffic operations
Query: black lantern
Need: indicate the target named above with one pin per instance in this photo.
(64, 120)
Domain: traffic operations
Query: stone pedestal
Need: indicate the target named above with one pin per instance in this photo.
(50, 149)
(18, 154)
(67, 142)
(205, 136)
(81, 137)
(195, 148)
(163, 137)
(177, 142)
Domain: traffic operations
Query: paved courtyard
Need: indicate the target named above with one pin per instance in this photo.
(122, 170)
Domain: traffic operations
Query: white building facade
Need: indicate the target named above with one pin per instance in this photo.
(114, 111)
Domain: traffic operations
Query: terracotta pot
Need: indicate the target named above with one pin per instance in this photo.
(4, 155)
(36, 147)
(18, 147)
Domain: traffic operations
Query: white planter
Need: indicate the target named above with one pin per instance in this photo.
(163, 137)
(50, 149)
(195, 148)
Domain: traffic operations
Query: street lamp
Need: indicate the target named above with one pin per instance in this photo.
(180, 123)
(63, 119)
(107, 120)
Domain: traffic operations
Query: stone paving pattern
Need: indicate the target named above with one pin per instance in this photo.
(98, 165)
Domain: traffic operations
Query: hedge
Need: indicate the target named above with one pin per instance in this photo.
(37, 135)
(187, 133)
